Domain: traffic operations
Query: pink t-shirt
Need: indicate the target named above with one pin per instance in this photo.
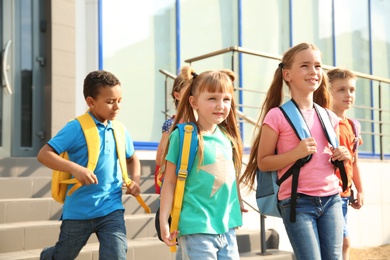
(317, 177)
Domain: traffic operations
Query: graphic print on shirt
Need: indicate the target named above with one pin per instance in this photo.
(220, 170)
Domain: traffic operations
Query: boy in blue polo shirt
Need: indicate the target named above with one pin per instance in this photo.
(96, 207)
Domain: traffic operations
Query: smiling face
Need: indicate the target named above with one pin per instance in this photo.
(305, 73)
(106, 105)
(343, 92)
(212, 108)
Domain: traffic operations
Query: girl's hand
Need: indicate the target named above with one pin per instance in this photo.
(306, 147)
(243, 209)
(341, 153)
(169, 238)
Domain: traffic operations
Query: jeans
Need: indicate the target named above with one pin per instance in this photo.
(345, 202)
(318, 231)
(110, 231)
(209, 247)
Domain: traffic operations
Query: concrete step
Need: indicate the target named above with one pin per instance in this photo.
(37, 209)
(271, 254)
(22, 167)
(40, 187)
(143, 248)
(32, 235)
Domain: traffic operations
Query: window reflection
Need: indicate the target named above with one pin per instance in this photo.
(26, 73)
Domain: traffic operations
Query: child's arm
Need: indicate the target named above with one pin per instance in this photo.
(167, 193)
(340, 153)
(242, 206)
(358, 184)
(134, 169)
(267, 160)
(161, 148)
(48, 157)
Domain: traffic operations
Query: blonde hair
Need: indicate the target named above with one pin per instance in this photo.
(220, 81)
(178, 84)
(339, 73)
(274, 98)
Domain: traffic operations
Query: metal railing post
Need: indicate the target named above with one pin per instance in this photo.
(263, 242)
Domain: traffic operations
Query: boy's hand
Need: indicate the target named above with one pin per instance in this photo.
(359, 201)
(133, 189)
(85, 176)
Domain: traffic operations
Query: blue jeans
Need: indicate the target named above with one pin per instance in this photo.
(345, 202)
(318, 231)
(209, 247)
(110, 231)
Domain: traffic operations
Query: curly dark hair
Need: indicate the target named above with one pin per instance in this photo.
(96, 80)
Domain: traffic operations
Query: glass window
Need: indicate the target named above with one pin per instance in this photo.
(312, 22)
(26, 36)
(207, 26)
(380, 41)
(138, 40)
(265, 29)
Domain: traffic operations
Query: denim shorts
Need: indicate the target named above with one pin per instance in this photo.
(209, 246)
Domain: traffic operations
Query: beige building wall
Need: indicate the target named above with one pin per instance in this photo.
(63, 99)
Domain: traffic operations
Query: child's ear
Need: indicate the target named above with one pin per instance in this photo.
(286, 75)
(176, 95)
(193, 103)
(90, 102)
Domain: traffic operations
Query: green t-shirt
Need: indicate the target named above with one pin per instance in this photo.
(210, 204)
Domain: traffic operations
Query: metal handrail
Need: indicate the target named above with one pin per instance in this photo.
(380, 80)
(276, 57)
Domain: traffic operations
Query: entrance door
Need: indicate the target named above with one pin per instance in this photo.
(22, 66)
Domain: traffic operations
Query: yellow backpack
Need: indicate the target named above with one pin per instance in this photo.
(61, 180)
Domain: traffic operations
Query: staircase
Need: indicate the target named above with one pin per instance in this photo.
(29, 217)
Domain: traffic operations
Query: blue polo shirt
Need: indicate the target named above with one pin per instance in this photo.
(95, 200)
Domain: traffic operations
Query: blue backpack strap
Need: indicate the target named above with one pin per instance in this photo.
(193, 147)
(295, 118)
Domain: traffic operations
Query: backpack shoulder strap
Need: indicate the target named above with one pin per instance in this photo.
(331, 136)
(327, 126)
(355, 124)
(295, 118)
(61, 180)
(188, 134)
(120, 141)
(92, 139)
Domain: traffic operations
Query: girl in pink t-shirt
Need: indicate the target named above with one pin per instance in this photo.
(318, 229)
